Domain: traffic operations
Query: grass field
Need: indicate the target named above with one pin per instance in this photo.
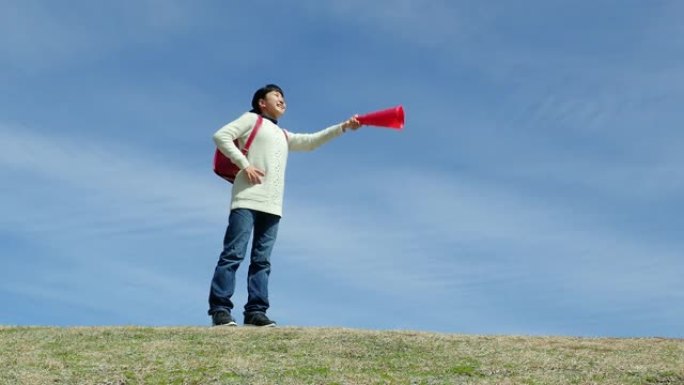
(203, 355)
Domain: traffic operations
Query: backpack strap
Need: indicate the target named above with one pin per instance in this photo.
(250, 139)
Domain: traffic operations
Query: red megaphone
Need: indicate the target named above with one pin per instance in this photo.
(391, 117)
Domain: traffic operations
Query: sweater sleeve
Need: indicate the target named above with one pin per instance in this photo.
(236, 129)
(308, 142)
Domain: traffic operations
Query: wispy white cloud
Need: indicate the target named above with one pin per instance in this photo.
(429, 23)
(109, 175)
(413, 238)
(118, 292)
(110, 223)
(41, 35)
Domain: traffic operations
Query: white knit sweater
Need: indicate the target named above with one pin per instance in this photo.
(268, 153)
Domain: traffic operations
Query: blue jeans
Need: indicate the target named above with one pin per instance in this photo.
(240, 225)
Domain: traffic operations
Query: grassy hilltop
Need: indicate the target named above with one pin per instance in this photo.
(145, 355)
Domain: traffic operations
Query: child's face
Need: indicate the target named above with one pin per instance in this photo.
(273, 105)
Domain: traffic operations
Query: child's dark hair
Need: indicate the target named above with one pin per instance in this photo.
(261, 93)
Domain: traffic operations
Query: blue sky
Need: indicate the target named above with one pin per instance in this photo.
(537, 187)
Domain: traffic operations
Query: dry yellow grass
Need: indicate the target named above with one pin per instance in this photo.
(139, 355)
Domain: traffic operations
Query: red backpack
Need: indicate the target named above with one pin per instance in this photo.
(223, 166)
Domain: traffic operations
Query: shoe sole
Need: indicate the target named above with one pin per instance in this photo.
(261, 326)
(229, 324)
